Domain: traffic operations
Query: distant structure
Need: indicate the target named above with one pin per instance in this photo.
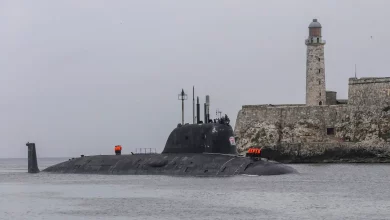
(323, 121)
(315, 67)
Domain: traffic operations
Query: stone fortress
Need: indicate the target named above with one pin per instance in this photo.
(325, 128)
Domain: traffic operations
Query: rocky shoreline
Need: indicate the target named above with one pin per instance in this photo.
(328, 153)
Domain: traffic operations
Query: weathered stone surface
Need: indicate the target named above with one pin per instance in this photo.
(315, 74)
(331, 98)
(315, 133)
(369, 91)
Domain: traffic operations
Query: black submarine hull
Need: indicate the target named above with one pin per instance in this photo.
(190, 150)
(193, 164)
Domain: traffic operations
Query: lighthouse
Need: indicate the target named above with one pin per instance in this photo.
(315, 66)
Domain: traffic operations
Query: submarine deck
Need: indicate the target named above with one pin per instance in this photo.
(191, 164)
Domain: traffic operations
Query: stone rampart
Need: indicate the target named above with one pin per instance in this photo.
(317, 130)
(369, 91)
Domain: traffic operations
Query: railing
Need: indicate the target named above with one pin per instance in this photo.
(145, 151)
(307, 41)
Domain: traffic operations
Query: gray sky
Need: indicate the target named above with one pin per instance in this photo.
(78, 77)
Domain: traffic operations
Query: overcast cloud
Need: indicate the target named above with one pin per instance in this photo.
(78, 77)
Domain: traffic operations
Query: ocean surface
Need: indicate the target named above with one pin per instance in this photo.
(360, 191)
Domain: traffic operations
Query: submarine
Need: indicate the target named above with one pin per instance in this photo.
(199, 149)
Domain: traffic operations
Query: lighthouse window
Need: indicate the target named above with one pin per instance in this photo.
(319, 70)
(319, 82)
(320, 103)
(319, 59)
(318, 39)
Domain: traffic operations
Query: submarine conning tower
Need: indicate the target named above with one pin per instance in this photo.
(213, 137)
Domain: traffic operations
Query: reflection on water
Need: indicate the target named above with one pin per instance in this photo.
(317, 192)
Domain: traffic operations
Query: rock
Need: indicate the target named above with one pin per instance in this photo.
(315, 133)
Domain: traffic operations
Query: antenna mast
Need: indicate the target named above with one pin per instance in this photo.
(193, 104)
(355, 72)
(182, 96)
(218, 112)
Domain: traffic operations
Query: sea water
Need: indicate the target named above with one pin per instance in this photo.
(329, 191)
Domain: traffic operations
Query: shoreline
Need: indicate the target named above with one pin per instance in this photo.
(327, 153)
(356, 161)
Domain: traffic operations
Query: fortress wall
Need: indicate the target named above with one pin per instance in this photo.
(313, 128)
(369, 91)
(292, 124)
